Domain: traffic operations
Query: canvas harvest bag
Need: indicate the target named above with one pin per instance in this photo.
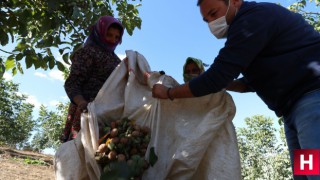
(194, 138)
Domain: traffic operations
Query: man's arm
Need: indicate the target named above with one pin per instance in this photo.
(239, 85)
(163, 92)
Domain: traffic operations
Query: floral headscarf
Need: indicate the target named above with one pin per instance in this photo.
(97, 35)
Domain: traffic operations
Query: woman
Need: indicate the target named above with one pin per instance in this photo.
(192, 68)
(91, 66)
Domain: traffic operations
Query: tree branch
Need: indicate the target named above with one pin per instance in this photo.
(310, 13)
(7, 52)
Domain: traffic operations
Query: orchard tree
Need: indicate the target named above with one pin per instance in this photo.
(50, 127)
(16, 122)
(313, 18)
(38, 27)
(263, 155)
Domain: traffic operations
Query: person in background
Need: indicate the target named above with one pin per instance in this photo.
(192, 68)
(91, 66)
(278, 54)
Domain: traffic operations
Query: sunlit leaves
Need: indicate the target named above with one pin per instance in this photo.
(60, 25)
(313, 17)
(10, 63)
(263, 155)
(51, 124)
(16, 121)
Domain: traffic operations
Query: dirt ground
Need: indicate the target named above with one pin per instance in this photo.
(25, 165)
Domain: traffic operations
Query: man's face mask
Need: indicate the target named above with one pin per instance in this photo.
(219, 27)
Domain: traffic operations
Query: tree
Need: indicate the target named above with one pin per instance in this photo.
(312, 17)
(262, 155)
(50, 127)
(39, 27)
(16, 121)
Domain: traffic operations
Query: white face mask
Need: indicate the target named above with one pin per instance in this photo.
(219, 27)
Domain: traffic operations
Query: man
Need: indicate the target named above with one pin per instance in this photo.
(278, 54)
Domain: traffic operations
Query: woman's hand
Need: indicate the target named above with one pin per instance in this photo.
(81, 103)
(160, 91)
(83, 106)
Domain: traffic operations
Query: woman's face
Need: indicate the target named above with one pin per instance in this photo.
(192, 68)
(112, 35)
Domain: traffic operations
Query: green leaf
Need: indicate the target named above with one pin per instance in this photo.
(51, 63)
(76, 47)
(61, 67)
(61, 51)
(46, 61)
(21, 46)
(14, 71)
(37, 64)
(65, 58)
(19, 56)
(29, 61)
(4, 39)
(10, 63)
(2, 70)
(19, 68)
(23, 31)
(153, 158)
(48, 42)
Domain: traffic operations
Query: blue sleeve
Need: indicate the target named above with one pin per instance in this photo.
(249, 33)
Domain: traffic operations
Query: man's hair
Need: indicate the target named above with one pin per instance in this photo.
(200, 1)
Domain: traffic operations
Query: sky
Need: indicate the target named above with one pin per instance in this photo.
(171, 31)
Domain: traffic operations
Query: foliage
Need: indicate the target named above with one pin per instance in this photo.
(262, 155)
(2, 67)
(313, 18)
(50, 127)
(29, 160)
(34, 161)
(39, 27)
(16, 122)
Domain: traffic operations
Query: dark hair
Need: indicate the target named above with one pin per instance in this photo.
(117, 26)
(200, 1)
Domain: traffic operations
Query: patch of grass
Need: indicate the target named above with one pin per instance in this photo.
(28, 160)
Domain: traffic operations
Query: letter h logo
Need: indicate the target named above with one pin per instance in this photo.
(306, 162)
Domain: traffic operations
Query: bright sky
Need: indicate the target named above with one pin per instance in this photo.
(171, 31)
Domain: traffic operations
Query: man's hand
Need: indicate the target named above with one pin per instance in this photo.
(159, 91)
(237, 86)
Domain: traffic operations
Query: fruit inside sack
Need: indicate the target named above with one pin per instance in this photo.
(122, 149)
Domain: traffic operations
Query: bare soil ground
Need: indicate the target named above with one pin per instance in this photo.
(25, 165)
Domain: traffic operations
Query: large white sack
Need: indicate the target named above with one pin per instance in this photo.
(193, 138)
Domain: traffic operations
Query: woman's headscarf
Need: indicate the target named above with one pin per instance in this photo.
(198, 62)
(97, 35)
